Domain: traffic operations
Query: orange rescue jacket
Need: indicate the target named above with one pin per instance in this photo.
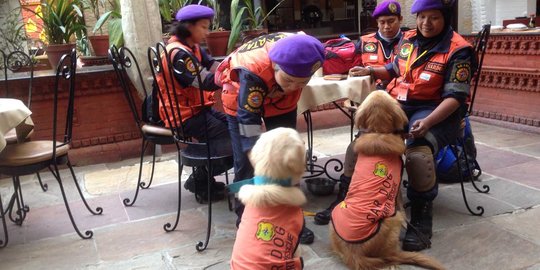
(371, 198)
(189, 97)
(426, 81)
(253, 56)
(373, 53)
(267, 239)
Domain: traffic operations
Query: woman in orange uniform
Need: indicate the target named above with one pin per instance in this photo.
(262, 82)
(193, 22)
(430, 77)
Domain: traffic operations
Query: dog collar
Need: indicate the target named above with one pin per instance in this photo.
(258, 181)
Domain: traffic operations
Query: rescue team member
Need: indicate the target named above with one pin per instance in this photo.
(377, 49)
(431, 76)
(262, 81)
(192, 28)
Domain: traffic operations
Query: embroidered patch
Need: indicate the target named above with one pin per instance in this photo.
(405, 50)
(434, 67)
(255, 97)
(370, 47)
(265, 231)
(381, 170)
(461, 72)
(343, 205)
(393, 8)
(190, 66)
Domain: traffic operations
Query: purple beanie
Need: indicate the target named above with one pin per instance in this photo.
(423, 5)
(194, 12)
(298, 55)
(387, 8)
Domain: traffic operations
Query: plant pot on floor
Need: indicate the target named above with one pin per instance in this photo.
(100, 44)
(217, 42)
(56, 51)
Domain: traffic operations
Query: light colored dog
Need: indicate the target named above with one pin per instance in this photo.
(268, 235)
(366, 225)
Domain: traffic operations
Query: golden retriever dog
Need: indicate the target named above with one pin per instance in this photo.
(366, 225)
(269, 233)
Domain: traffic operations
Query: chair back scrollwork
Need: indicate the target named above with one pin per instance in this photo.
(17, 61)
(480, 46)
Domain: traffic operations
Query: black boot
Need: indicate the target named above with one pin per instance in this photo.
(198, 183)
(419, 230)
(323, 217)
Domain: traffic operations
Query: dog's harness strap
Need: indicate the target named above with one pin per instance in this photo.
(258, 181)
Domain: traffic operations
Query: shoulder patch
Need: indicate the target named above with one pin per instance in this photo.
(461, 73)
(255, 98)
(190, 66)
(370, 47)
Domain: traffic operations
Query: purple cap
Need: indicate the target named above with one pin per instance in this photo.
(423, 5)
(194, 12)
(387, 8)
(298, 55)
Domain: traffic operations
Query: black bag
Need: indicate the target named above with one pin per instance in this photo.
(150, 107)
(446, 162)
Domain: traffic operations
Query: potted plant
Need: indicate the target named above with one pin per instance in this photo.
(254, 20)
(100, 42)
(63, 21)
(114, 26)
(217, 39)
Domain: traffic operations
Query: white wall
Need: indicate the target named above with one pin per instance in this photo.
(508, 9)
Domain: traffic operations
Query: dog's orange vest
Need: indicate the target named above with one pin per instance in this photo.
(373, 52)
(253, 56)
(267, 239)
(189, 99)
(371, 197)
(426, 81)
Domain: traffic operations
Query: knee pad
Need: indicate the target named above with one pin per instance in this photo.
(420, 168)
(350, 160)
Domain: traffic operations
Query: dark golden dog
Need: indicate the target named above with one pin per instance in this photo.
(366, 225)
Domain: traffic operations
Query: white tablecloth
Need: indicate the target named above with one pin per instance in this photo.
(320, 91)
(14, 114)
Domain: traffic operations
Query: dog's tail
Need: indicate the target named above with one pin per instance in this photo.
(415, 258)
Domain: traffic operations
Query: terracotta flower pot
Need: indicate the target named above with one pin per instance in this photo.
(100, 44)
(55, 52)
(217, 42)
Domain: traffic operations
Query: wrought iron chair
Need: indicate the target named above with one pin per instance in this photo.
(479, 45)
(16, 61)
(191, 153)
(32, 156)
(123, 60)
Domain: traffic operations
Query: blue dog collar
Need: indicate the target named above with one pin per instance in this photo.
(258, 181)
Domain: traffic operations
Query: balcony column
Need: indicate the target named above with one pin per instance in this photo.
(141, 24)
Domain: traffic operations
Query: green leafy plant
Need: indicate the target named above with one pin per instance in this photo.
(114, 19)
(12, 34)
(216, 22)
(254, 19)
(168, 8)
(95, 6)
(62, 19)
(257, 16)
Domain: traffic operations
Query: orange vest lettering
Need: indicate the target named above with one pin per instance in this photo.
(371, 197)
(267, 239)
(426, 81)
(188, 97)
(253, 56)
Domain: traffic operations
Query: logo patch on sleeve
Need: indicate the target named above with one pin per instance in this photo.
(461, 73)
(255, 99)
(434, 67)
(370, 47)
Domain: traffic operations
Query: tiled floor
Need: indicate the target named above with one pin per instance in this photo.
(505, 237)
